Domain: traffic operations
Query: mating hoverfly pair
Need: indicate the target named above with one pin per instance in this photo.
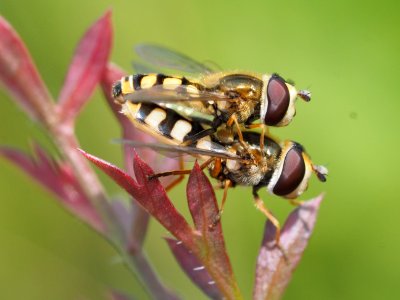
(210, 118)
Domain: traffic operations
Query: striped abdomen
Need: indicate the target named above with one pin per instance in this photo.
(162, 123)
(129, 84)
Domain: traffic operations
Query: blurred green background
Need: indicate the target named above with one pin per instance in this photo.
(345, 52)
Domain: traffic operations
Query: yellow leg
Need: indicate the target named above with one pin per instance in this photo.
(262, 138)
(227, 185)
(233, 120)
(264, 131)
(261, 207)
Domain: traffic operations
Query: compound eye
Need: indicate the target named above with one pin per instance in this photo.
(293, 172)
(278, 100)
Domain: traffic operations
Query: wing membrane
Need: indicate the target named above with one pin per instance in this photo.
(217, 150)
(141, 68)
(173, 93)
(167, 58)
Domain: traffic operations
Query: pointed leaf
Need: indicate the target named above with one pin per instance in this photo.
(274, 270)
(150, 195)
(204, 209)
(86, 69)
(58, 178)
(19, 76)
(194, 269)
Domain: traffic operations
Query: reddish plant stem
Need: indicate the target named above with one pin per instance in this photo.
(147, 274)
(136, 261)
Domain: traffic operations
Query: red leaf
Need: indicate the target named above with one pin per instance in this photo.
(194, 269)
(88, 63)
(58, 178)
(204, 209)
(150, 195)
(19, 75)
(274, 271)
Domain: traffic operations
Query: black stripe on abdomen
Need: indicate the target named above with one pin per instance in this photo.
(169, 122)
(144, 110)
(136, 81)
(160, 79)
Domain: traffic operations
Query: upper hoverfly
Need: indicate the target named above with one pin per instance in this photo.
(230, 98)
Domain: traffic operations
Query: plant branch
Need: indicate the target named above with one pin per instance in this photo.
(136, 261)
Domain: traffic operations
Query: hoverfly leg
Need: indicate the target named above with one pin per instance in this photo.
(264, 131)
(233, 120)
(227, 185)
(261, 207)
(169, 173)
(216, 168)
(179, 179)
(262, 138)
(180, 172)
(198, 136)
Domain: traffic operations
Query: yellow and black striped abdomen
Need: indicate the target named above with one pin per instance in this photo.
(162, 123)
(132, 83)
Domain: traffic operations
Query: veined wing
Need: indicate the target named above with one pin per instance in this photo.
(213, 149)
(175, 93)
(163, 57)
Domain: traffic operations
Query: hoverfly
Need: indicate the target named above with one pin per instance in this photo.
(283, 168)
(231, 98)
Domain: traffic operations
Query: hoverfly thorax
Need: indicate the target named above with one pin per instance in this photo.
(244, 92)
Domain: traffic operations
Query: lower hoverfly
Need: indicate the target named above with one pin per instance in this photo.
(231, 98)
(283, 168)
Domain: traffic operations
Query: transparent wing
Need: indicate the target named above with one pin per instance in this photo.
(216, 150)
(173, 93)
(141, 68)
(163, 57)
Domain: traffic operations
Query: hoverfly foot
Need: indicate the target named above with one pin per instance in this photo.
(151, 177)
(216, 220)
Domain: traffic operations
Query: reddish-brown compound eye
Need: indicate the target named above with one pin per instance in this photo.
(292, 172)
(278, 100)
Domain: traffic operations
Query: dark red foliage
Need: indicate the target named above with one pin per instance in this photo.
(204, 209)
(150, 194)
